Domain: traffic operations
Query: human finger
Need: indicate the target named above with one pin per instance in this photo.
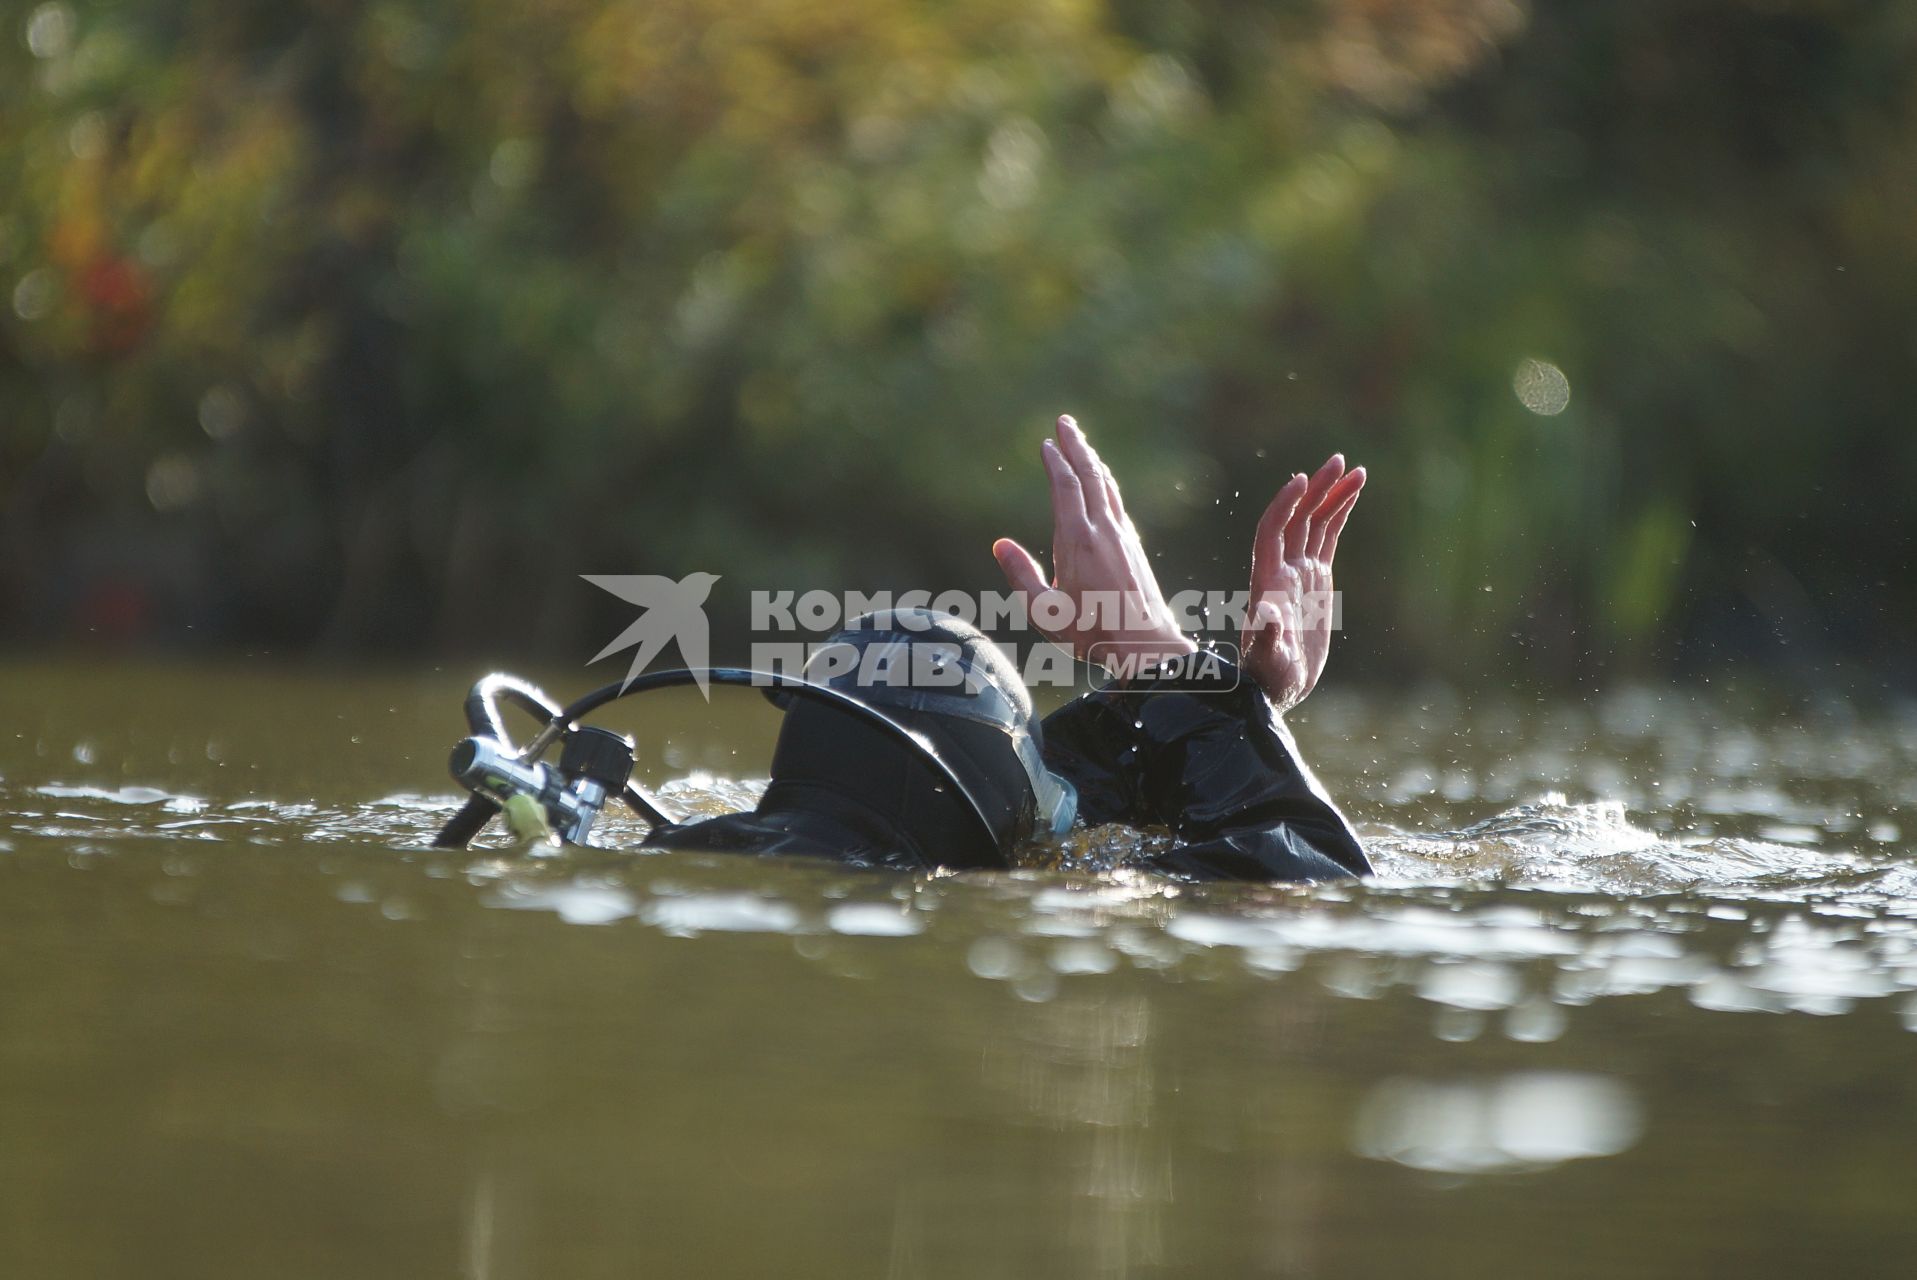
(1266, 615)
(1327, 504)
(1267, 546)
(1112, 497)
(1068, 494)
(1299, 526)
(1021, 567)
(1084, 461)
(1262, 625)
(1336, 523)
(1113, 500)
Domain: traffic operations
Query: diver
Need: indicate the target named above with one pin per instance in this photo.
(1200, 749)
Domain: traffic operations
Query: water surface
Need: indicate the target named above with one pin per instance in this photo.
(1632, 994)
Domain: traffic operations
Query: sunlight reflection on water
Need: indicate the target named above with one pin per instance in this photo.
(1519, 1122)
(1573, 909)
(1736, 923)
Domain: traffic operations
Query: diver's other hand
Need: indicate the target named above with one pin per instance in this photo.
(1099, 562)
(1287, 635)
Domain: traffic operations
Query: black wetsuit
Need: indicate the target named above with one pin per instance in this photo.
(1217, 767)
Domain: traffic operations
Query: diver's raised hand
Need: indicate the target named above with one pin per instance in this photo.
(1287, 635)
(1103, 603)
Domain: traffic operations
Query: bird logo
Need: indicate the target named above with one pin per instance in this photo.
(673, 611)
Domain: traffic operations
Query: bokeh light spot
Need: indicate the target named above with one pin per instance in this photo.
(49, 30)
(35, 295)
(1541, 387)
(222, 412)
(172, 482)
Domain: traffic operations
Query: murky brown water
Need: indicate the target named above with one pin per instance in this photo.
(250, 1026)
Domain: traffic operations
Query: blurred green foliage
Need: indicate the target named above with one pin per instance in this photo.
(372, 323)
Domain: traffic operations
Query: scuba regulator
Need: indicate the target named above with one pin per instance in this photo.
(594, 764)
(537, 798)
